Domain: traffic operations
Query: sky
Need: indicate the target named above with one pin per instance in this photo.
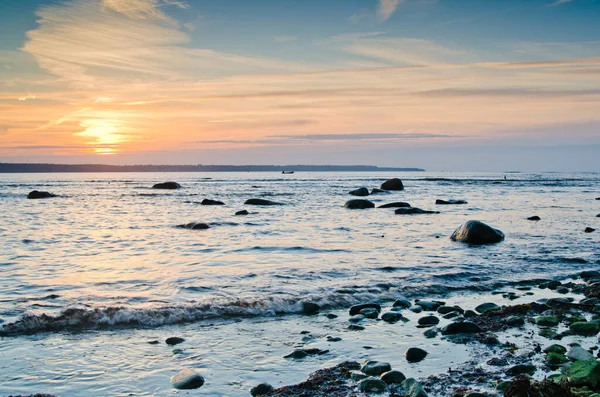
(445, 85)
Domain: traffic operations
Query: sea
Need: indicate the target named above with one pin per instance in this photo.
(94, 280)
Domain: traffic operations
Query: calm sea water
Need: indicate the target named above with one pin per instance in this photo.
(87, 278)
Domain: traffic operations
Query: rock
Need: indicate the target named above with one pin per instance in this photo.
(357, 318)
(167, 186)
(331, 316)
(370, 312)
(560, 349)
(174, 340)
(261, 389)
(429, 321)
(310, 308)
(194, 226)
(449, 309)
(451, 315)
(547, 321)
(187, 379)
(534, 218)
(578, 353)
(242, 212)
(414, 354)
(36, 194)
(354, 327)
(211, 202)
(416, 309)
(504, 385)
(477, 233)
(465, 327)
(402, 302)
(556, 359)
(256, 201)
(585, 373)
(486, 307)
(589, 230)
(372, 385)
(585, 328)
(391, 317)
(362, 191)
(375, 368)
(359, 204)
(392, 184)
(450, 202)
(413, 211)
(377, 191)
(357, 308)
(431, 333)
(470, 314)
(393, 377)
(589, 274)
(357, 376)
(429, 306)
(515, 321)
(299, 354)
(413, 388)
(497, 361)
(521, 369)
(475, 394)
(396, 204)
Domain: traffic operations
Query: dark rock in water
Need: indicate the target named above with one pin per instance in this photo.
(377, 191)
(429, 321)
(412, 388)
(589, 274)
(524, 387)
(486, 307)
(515, 321)
(476, 394)
(449, 309)
(187, 379)
(413, 210)
(534, 218)
(242, 212)
(375, 368)
(362, 191)
(299, 354)
(477, 233)
(36, 194)
(211, 202)
(521, 369)
(598, 216)
(470, 314)
(578, 353)
(397, 204)
(431, 332)
(261, 389)
(359, 204)
(310, 308)
(465, 327)
(174, 340)
(429, 306)
(558, 349)
(194, 226)
(414, 354)
(167, 186)
(357, 308)
(331, 316)
(589, 230)
(370, 312)
(354, 327)
(372, 385)
(585, 373)
(585, 328)
(497, 362)
(153, 342)
(256, 201)
(392, 184)
(391, 317)
(450, 202)
(402, 302)
(393, 377)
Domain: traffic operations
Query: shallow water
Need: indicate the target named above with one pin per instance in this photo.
(109, 247)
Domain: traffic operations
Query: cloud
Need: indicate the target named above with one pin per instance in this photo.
(559, 2)
(387, 8)
(143, 9)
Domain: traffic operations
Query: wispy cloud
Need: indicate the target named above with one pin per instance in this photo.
(143, 9)
(387, 8)
(559, 2)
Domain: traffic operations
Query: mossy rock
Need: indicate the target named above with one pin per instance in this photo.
(556, 359)
(585, 328)
(547, 321)
(560, 349)
(585, 373)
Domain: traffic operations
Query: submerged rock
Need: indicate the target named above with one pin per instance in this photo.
(413, 388)
(357, 308)
(372, 385)
(450, 202)
(375, 368)
(187, 379)
(361, 191)
(585, 328)
(261, 389)
(534, 218)
(392, 184)
(370, 312)
(396, 204)
(429, 321)
(211, 202)
(174, 340)
(36, 194)
(413, 210)
(391, 317)
(464, 327)
(393, 377)
(195, 226)
(402, 302)
(310, 308)
(589, 230)
(477, 233)
(585, 373)
(242, 212)
(257, 201)
(414, 354)
(486, 307)
(377, 191)
(167, 186)
(359, 204)
(521, 369)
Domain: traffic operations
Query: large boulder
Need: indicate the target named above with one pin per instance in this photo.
(392, 184)
(477, 233)
(585, 373)
(35, 194)
(359, 204)
(211, 202)
(450, 202)
(194, 226)
(361, 191)
(413, 210)
(396, 204)
(167, 186)
(187, 379)
(256, 201)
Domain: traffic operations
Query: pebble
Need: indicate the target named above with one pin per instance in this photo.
(187, 379)
(174, 340)
(429, 321)
(375, 368)
(414, 354)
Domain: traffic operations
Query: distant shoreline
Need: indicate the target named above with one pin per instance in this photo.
(13, 168)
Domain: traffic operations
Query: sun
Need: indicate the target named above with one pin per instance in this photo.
(107, 134)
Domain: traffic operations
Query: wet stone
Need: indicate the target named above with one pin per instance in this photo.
(414, 354)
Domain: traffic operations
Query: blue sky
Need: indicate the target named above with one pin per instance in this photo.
(386, 82)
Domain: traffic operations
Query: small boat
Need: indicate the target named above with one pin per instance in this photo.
(287, 172)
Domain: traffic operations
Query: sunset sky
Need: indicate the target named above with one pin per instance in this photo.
(439, 84)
